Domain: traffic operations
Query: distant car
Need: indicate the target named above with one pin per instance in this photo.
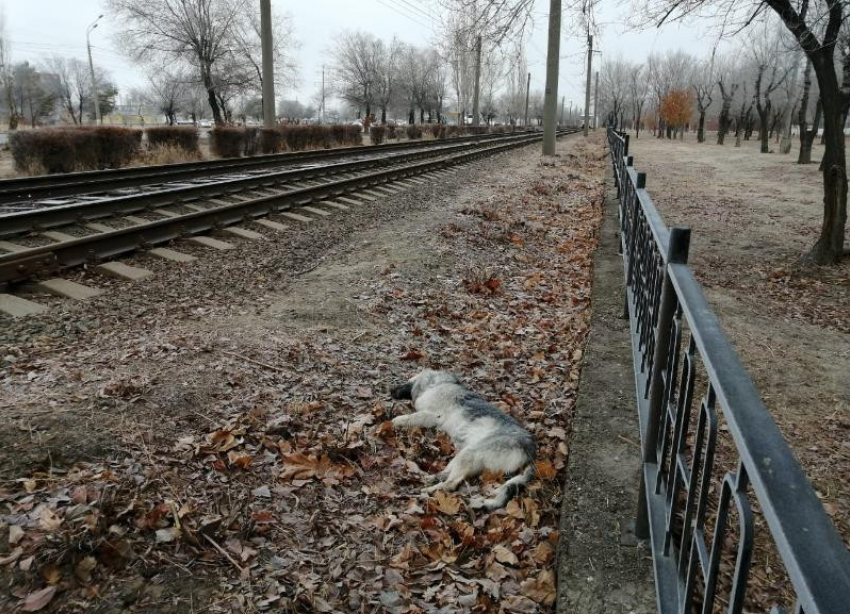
(205, 123)
(185, 122)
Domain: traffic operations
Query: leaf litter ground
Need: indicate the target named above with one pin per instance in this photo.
(250, 462)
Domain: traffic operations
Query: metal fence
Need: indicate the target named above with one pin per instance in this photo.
(710, 447)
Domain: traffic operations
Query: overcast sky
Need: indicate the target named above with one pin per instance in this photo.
(39, 29)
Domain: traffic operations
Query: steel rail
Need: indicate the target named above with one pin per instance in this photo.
(19, 266)
(15, 224)
(53, 186)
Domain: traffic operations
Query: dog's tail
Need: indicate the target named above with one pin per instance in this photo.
(510, 489)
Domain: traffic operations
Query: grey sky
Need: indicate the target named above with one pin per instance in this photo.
(39, 29)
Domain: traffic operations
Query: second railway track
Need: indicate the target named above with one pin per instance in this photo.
(186, 216)
(23, 193)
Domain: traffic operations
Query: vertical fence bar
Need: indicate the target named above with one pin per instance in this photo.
(677, 253)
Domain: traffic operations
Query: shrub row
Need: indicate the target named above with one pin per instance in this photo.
(63, 150)
(173, 136)
(233, 142)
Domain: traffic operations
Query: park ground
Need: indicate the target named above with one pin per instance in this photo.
(216, 437)
(752, 217)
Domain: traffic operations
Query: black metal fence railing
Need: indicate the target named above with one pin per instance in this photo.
(699, 481)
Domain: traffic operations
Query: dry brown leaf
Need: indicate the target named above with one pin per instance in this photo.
(503, 555)
(37, 600)
(545, 470)
(541, 589)
(446, 503)
(16, 533)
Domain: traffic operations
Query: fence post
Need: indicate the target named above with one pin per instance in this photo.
(677, 253)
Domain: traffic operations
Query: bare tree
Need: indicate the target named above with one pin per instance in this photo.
(358, 56)
(807, 137)
(169, 92)
(638, 92)
(704, 83)
(770, 74)
(816, 25)
(614, 89)
(727, 74)
(73, 85)
(197, 32)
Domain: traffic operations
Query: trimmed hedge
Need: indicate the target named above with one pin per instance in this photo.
(414, 131)
(64, 150)
(438, 131)
(227, 141)
(271, 141)
(378, 133)
(176, 136)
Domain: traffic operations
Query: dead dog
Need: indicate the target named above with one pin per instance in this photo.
(486, 438)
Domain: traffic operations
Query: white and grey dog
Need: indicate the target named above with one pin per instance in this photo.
(486, 438)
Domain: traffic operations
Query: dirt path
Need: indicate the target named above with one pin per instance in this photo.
(753, 215)
(217, 437)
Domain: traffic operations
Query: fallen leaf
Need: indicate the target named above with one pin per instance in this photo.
(447, 504)
(503, 555)
(545, 470)
(16, 533)
(164, 536)
(541, 589)
(12, 556)
(37, 600)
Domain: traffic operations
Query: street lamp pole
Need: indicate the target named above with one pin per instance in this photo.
(91, 68)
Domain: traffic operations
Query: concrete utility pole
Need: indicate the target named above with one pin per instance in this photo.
(268, 62)
(550, 104)
(562, 110)
(596, 101)
(527, 89)
(477, 81)
(587, 88)
(95, 93)
(322, 120)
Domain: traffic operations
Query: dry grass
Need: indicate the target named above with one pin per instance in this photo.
(165, 154)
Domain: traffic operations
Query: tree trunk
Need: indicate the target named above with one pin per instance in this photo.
(764, 133)
(383, 115)
(701, 127)
(829, 247)
(807, 137)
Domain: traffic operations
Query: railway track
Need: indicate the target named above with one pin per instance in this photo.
(190, 211)
(22, 193)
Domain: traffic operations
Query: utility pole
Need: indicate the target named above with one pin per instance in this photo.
(527, 88)
(95, 94)
(550, 103)
(322, 119)
(268, 62)
(587, 88)
(562, 110)
(477, 81)
(596, 101)
(570, 115)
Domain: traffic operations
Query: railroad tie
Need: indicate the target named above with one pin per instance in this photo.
(119, 270)
(270, 224)
(348, 201)
(68, 289)
(210, 242)
(296, 217)
(316, 210)
(244, 233)
(170, 254)
(18, 307)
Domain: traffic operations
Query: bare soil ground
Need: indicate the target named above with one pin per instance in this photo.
(216, 438)
(753, 215)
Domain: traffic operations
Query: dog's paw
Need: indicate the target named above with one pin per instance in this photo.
(399, 421)
(477, 503)
(432, 489)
